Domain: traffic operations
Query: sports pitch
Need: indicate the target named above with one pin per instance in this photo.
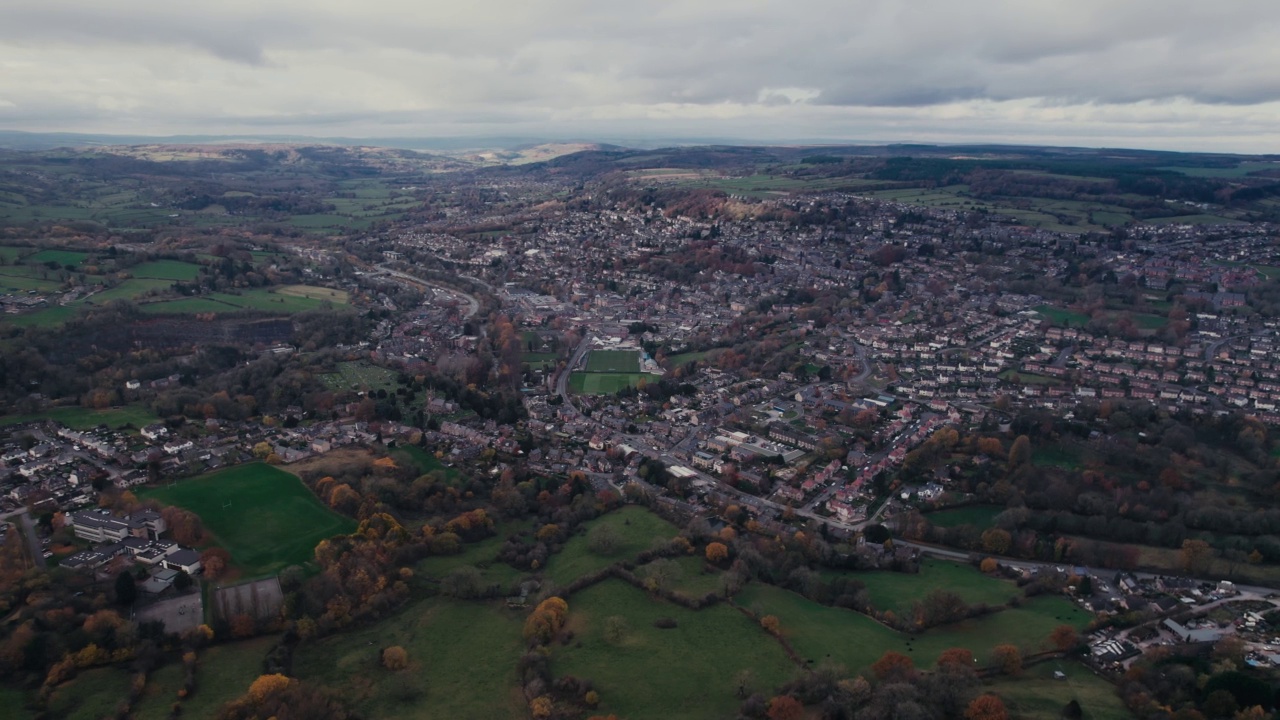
(265, 517)
(613, 361)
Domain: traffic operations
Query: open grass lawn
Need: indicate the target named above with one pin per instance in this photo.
(1198, 219)
(161, 692)
(675, 361)
(821, 633)
(979, 515)
(91, 695)
(10, 254)
(1063, 456)
(337, 297)
(1026, 378)
(166, 270)
(264, 516)
(462, 663)
(78, 418)
(636, 529)
(423, 461)
(601, 383)
(693, 581)
(16, 280)
(48, 317)
(1061, 316)
(131, 289)
(897, 591)
(14, 702)
(189, 306)
(683, 673)
(224, 673)
(1038, 696)
(360, 375)
(613, 361)
(545, 361)
(62, 257)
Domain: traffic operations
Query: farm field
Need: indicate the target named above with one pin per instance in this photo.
(265, 517)
(462, 663)
(166, 270)
(62, 257)
(979, 515)
(897, 591)
(91, 695)
(1038, 696)
(854, 640)
(684, 673)
(636, 529)
(78, 418)
(613, 361)
(601, 383)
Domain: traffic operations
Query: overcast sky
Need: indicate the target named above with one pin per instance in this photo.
(1168, 74)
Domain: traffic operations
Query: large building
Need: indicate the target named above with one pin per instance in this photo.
(102, 526)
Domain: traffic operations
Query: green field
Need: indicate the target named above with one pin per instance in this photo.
(10, 254)
(47, 317)
(312, 292)
(424, 462)
(684, 673)
(462, 663)
(897, 591)
(482, 556)
(1026, 378)
(1060, 316)
(541, 361)
(161, 693)
(224, 673)
(91, 695)
(1038, 696)
(360, 375)
(854, 640)
(613, 361)
(131, 289)
(264, 516)
(675, 361)
(62, 257)
(636, 529)
(979, 515)
(14, 701)
(166, 270)
(1063, 456)
(600, 383)
(78, 418)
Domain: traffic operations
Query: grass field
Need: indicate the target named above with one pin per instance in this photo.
(636, 529)
(543, 361)
(62, 257)
(166, 270)
(601, 383)
(1038, 696)
(78, 418)
(1026, 378)
(613, 361)
(675, 361)
(161, 693)
(14, 701)
(979, 515)
(424, 462)
(131, 289)
(480, 555)
(337, 297)
(1062, 456)
(264, 516)
(684, 673)
(360, 375)
(224, 673)
(854, 640)
(897, 591)
(462, 663)
(91, 695)
(1060, 316)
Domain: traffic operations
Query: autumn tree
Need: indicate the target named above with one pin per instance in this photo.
(771, 624)
(546, 620)
(996, 541)
(785, 707)
(395, 658)
(214, 562)
(893, 666)
(986, 707)
(717, 552)
(988, 565)
(1020, 452)
(267, 685)
(955, 658)
(1008, 658)
(1196, 556)
(1064, 637)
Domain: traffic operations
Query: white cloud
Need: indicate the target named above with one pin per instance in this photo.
(1166, 73)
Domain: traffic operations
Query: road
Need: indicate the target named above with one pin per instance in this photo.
(472, 302)
(29, 532)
